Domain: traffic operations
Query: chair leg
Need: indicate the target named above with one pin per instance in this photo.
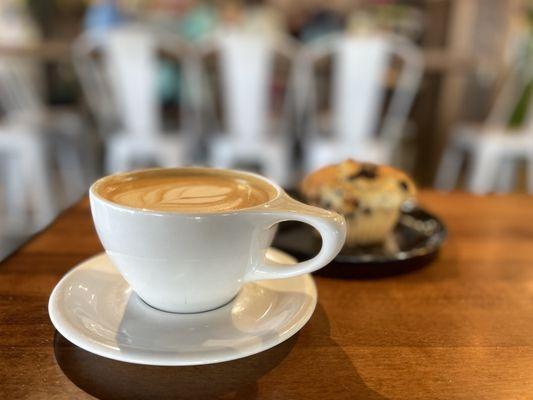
(72, 172)
(88, 156)
(506, 176)
(221, 157)
(315, 157)
(170, 157)
(16, 197)
(484, 168)
(276, 166)
(529, 172)
(449, 169)
(117, 157)
(36, 174)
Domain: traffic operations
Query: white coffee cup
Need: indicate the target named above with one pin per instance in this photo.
(187, 262)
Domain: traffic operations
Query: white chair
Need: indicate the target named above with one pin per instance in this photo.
(360, 71)
(29, 198)
(249, 134)
(494, 147)
(21, 100)
(29, 127)
(128, 84)
(25, 139)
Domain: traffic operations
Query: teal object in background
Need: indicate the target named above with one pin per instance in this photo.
(169, 81)
(193, 26)
(197, 23)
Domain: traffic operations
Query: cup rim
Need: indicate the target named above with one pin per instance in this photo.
(94, 195)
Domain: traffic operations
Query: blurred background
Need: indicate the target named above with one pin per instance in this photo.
(439, 88)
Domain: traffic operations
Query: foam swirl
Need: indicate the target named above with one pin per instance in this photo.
(185, 193)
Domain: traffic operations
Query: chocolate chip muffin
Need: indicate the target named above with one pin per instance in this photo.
(368, 195)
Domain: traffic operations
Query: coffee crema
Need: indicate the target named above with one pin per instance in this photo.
(185, 190)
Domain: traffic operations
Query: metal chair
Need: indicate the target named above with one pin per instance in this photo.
(29, 193)
(71, 143)
(360, 69)
(38, 138)
(126, 83)
(249, 136)
(493, 146)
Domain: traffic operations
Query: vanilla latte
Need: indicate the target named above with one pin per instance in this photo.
(189, 190)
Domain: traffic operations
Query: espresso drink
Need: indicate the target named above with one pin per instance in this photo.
(185, 190)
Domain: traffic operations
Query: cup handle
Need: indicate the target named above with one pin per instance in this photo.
(330, 225)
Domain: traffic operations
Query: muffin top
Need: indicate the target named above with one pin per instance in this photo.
(352, 185)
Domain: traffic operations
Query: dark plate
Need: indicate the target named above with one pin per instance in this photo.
(418, 234)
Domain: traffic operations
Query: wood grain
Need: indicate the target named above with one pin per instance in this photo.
(459, 328)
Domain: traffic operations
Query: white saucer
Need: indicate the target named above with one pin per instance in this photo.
(94, 308)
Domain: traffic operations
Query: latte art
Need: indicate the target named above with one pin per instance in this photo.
(196, 192)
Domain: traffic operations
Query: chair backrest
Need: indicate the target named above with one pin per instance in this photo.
(126, 81)
(94, 82)
(123, 87)
(20, 96)
(132, 64)
(359, 66)
(359, 81)
(515, 92)
(247, 62)
(20, 80)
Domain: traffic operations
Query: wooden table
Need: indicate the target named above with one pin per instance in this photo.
(460, 328)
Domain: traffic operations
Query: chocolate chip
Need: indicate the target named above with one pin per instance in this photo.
(368, 171)
(404, 186)
(326, 204)
(353, 202)
(367, 211)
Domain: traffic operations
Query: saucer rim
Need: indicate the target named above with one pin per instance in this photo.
(78, 338)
